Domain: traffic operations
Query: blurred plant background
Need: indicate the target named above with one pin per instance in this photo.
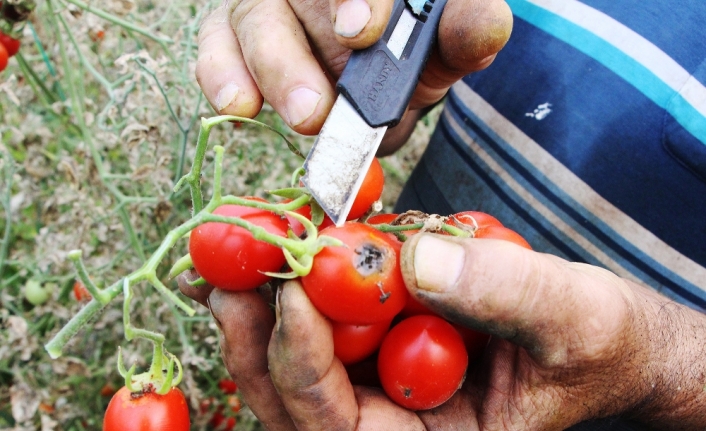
(100, 113)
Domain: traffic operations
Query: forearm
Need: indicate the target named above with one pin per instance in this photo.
(678, 341)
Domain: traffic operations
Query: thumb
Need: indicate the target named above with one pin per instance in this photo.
(541, 302)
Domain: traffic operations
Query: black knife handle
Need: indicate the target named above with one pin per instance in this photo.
(379, 85)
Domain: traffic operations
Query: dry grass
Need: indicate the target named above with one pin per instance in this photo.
(92, 136)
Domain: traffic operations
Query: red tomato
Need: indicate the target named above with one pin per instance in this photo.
(221, 419)
(233, 402)
(359, 283)
(80, 292)
(353, 343)
(220, 422)
(96, 35)
(475, 219)
(501, 232)
(3, 57)
(227, 386)
(107, 390)
(229, 257)
(46, 408)
(382, 219)
(147, 412)
(370, 191)
(11, 45)
(422, 362)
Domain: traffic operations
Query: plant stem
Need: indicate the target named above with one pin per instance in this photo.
(9, 170)
(121, 22)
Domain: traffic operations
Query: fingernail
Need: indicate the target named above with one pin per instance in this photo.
(209, 304)
(437, 263)
(226, 95)
(351, 17)
(300, 104)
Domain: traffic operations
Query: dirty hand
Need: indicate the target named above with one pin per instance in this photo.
(570, 342)
(290, 53)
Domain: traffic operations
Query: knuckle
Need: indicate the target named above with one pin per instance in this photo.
(238, 10)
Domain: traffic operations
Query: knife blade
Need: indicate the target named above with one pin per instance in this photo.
(374, 91)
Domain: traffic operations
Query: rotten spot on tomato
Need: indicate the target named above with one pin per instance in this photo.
(369, 259)
(360, 283)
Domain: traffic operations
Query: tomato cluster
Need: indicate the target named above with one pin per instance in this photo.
(222, 412)
(8, 48)
(358, 285)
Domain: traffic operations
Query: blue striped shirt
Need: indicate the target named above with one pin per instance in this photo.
(587, 135)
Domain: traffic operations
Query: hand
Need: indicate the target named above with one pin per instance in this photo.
(571, 342)
(291, 53)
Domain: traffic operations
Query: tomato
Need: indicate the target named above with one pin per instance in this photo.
(3, 57)
(220, 422)
(80, 292)
(229, 257)
(501, 232)
(359, 283)
(353, 343)
(46, 408)
(147, 411)
(221, 419)
(370, 191)
(474, 219)
(107, 390)
(382, 218)
(227, 386)
(422, 362)
(35, 293)
(96, 35)
(11, 45)
(233, 402)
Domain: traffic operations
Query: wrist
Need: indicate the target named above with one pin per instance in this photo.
(676, 390)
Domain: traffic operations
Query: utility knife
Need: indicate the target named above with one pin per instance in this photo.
(373, 93)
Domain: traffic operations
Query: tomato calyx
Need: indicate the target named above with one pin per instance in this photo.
(160, 377)
(299, 253)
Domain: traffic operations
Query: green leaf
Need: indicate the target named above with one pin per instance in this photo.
(317, 213)
(289, 192)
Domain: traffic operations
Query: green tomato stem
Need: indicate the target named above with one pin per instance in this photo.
(182, 264)
(130, 331)
(452, 230)
(75, 257)
(397, 228)
(294, 182)
(279, 208)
